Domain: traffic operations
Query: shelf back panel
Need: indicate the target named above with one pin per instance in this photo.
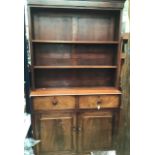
(62, 54)
(48, 26)
(51, 78)
(61, 24)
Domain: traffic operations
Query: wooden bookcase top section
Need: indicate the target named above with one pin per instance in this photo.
(74, 91)
(75, 44)
(90, 4)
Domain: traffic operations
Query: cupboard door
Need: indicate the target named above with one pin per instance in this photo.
(95, 131)
(56, 133)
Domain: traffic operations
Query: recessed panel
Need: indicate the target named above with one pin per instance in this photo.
(49, 78)
(97, 28)
(48, 25)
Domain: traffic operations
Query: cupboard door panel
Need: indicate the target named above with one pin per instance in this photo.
(56, 133)
(96, 131)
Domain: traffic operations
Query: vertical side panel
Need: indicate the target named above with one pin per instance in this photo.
(31, 46)
(117, 82)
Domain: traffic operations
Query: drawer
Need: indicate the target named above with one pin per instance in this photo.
(54, 103)
(99, 101)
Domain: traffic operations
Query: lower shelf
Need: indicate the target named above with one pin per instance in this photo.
(75, 91)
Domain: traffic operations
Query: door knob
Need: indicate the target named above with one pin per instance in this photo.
(99, 101)
(54, 101)
(79, 129)
(76, 129)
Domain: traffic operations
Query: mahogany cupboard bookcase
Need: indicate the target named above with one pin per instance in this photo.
(75, 64)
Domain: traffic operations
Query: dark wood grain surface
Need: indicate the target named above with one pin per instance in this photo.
(54, 103)
(75, 52)
(63, 55)
(74, 78)
(70, 25)
(56, 132)
(99, 101)
(95, 130)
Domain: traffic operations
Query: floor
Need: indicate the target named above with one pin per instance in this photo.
(104, 153)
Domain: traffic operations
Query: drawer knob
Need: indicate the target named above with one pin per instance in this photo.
(98, 107)
(54, 101)
(99, 102)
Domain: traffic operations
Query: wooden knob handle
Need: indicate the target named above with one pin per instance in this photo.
(54, 101)
(99, 101)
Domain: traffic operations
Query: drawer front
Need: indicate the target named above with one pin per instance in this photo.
(98, 101)
(54, 103)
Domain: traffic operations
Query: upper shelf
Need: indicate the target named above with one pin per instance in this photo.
(63, 67)
(74, 42)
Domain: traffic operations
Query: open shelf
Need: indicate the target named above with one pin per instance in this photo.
(83, 26)
(46, 54)
(74, 42)
(75, 91)
(61, 67)
(80, 77)
(74, 48)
